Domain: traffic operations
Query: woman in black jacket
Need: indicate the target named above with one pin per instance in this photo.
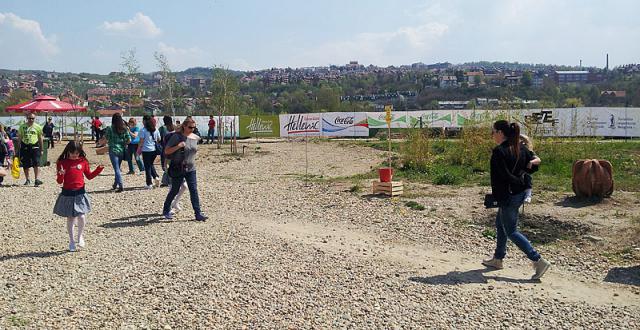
(510, 160)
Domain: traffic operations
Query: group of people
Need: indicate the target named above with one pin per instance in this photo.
(512, 163)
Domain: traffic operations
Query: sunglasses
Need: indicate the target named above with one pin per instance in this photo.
(31, 118)
(191, 127)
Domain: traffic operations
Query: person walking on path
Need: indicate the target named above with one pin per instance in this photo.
(96, 127)
(4, 152)
(510, 160)
(182, 148)
(167, 128)
(212, 130)
(149, 147)
(47, 130)
(117, 138)
(73, 202)
(131, 152)
(30, 143)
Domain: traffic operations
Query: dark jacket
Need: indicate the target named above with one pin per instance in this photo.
(507, 177)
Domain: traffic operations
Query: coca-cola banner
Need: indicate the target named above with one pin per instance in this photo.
(345, 124)
(259, 126)
(303, 124)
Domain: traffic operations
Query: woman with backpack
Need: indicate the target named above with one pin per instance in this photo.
(510, 160)
(182, 148)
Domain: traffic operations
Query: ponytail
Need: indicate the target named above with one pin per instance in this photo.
(512, 132)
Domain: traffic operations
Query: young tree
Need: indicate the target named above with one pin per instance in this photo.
(131, 68)
(168, 78)
(224, 98)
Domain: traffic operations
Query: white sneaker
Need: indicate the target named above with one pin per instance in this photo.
(81, 242)
(72, 247)
(149, 187)
(156, 182)
(527, 199)
(176, 208)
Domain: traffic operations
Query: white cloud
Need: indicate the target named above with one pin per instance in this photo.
(139, 26)
(183, 58)
(24, 35)
(404, 45)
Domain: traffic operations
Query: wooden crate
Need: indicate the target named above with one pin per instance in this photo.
(393, 188)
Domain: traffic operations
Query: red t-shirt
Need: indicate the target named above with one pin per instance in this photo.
(74, 172)
(97, 123)
(212, 123)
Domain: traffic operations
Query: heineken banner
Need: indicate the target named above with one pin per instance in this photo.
(345, 124)
(259, 126)
(429, 118)
(377, 119)
(304, 124)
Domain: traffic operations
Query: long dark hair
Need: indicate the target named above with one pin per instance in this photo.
(168, 123)
(118, 123)
(512, 132)
(72, 147)
(148, 123)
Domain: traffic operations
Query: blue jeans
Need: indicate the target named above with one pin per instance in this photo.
(211, 135)
(176, 182)
(116, 161)
(148, 157)
(507, 227)
(132, 152)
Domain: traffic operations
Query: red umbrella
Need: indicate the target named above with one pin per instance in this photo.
(45, 103)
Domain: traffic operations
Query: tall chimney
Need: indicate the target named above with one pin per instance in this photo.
(607, 68)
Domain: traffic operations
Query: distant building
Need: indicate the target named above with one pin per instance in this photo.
(447, 81)
(613, 93)
(451, 105)
(571, 77)
(473, 76)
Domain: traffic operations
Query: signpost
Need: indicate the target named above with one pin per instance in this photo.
(387, 109)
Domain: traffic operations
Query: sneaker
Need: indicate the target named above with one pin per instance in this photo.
(72, 247)
(493, 263)
(541, 266)
(81, 242)
(201, 217)
(176, 207)
(156, 182)
(148, 187)
(527, 199)
(37, 182)
(131, 172)
(119, 189)
(114, 186)
(168, 216)
(27, 182)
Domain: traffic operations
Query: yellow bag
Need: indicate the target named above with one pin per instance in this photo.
(15, 168)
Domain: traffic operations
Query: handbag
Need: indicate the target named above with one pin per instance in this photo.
(158, 148)
(490, 202)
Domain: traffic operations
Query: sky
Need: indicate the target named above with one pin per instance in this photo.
(92, 36)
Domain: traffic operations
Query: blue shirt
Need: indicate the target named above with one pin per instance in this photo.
(137, 138)
(150, 139)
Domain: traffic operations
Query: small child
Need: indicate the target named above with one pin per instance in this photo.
(528, 180)
(73, 202)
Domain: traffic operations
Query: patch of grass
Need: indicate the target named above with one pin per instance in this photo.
(465, 160)
(414, 205)
(17, 321)
(489, 233)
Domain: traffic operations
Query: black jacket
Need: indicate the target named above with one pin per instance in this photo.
(507, 177)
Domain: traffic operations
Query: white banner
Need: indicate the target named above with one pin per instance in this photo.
(377, 119)
(304, 124)
(344, 124)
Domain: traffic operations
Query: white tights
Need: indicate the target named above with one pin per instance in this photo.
(176, 200)
(81, 220)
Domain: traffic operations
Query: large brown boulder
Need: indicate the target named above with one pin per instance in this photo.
(592, 178)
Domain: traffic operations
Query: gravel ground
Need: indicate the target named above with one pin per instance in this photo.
(280, 251)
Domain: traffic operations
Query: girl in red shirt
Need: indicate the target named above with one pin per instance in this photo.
(73, 202)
